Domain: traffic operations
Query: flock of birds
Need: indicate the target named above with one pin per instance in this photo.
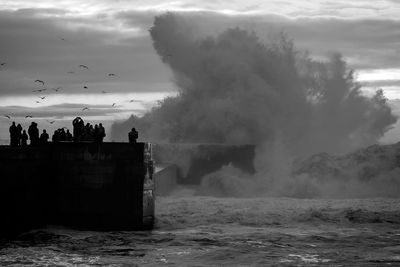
(57, 89)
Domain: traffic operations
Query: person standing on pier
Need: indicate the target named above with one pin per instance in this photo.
(19, 134)
(102, 133)
(33, 132)
(13, 135)
(44, 137)
(68, 136)
(24, 139)
(133, 136)
(78, 125)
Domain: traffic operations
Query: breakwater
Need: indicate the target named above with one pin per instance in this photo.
(105, 186)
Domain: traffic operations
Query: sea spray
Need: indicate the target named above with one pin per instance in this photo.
(237, 89)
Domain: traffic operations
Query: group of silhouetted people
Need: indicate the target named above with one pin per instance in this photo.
(87, 132)
(19, 137)
(60, 135)
(81, 132)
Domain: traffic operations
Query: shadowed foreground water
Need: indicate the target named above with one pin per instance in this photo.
(206, 231)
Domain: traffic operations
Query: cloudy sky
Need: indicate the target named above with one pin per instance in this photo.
(49, 40)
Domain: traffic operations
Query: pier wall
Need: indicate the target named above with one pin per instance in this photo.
(85, 185)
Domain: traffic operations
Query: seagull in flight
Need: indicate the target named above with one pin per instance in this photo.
(133, 100)
(114, 104)
(112, 75)
(104, 92)
(39, 90)
(38, 102)
(39, 81)
(56, 89)
(85, 87)
(51, 122)
(84, 66)
(28, 116)
(7, 116)
(85, 108)
(42, 97)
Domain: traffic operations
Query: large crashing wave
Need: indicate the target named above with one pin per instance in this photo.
(237, 89)
(365, 173)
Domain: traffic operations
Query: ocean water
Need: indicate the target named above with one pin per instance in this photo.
(207, 231)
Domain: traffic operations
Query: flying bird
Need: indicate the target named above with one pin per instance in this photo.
(7, 116)
(39, 90)
(3, 64)
(104, 92)
(114, 104)
(133, 100)
(39, 81)
(85, 87)
(56, 89)
(51, 122)
(84, 66)
(111, 75)
(28, 116)
(63, 39)
(38, 102)
(42, 97)
(85, 108)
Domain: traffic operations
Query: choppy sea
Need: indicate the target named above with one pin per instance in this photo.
(207, 231)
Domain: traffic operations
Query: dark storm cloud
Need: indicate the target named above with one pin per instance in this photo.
(47, 44)
(367, 43)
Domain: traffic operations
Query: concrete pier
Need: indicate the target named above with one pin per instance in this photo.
(106, 186)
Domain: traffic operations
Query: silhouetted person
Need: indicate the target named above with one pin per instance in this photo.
(19, 134)
(13, 135)
(91, 136)
(133, 136)
(63, 136)
(24, 139)
(44, 137)
(102, 133)
(86, 132)
(55, 138)
(33, 132)
(97, 133)
(68, 136)
(78, 129)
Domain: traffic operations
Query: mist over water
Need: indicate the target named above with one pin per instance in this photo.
(236, 89)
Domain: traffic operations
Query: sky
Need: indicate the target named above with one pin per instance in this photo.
(98, 53)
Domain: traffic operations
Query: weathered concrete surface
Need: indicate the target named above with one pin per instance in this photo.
(196, 160)
(86, 185)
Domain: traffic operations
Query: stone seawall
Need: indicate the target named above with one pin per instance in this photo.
(84, 185)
